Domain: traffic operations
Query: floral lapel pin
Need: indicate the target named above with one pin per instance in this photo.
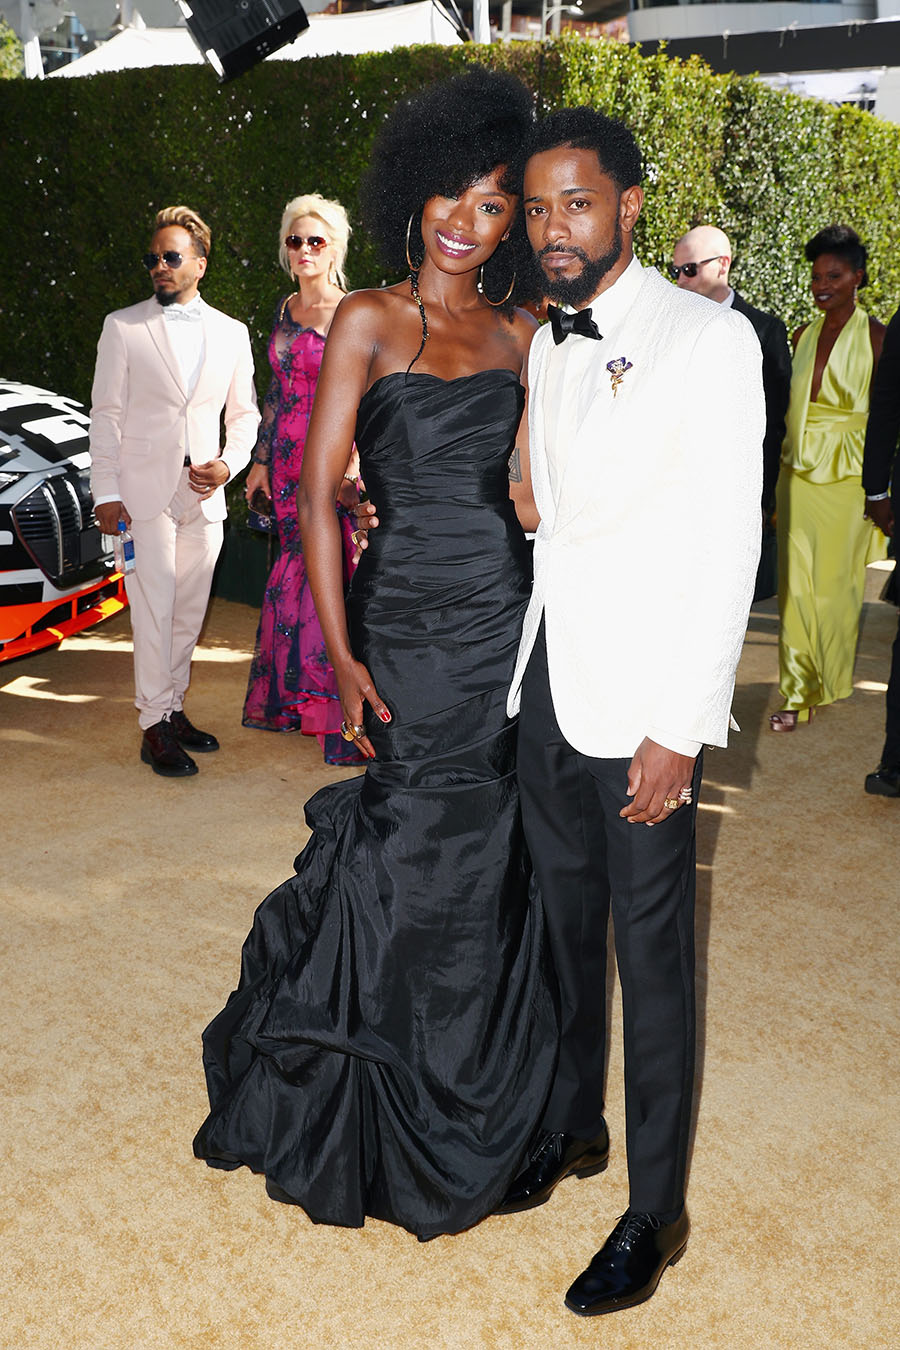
(617, 369)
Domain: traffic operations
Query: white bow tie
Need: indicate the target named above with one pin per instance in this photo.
(185, 313)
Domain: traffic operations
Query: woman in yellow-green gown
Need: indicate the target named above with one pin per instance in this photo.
(824, 540)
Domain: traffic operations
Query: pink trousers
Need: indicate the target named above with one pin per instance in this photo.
(168, 592)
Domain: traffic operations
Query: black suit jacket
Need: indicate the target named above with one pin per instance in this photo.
(883, 426)
(776, 374)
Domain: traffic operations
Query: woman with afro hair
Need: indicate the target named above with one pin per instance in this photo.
(390, 1047)
(824, 541)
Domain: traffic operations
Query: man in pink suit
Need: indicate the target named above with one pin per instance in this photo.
(166, 369)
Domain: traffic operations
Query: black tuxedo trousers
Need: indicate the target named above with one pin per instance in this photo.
(587, 861)
(890, 755)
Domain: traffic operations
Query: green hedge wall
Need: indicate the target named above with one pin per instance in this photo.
(88, 161)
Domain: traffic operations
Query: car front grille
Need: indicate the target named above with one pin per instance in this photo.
(54, 523)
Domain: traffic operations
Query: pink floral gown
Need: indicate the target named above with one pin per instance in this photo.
(292, 685)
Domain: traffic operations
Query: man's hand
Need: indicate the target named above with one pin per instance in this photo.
(108, 516)
(366, 520)
(655, 774)
(881, 514)
(205, 478)
(348, 495)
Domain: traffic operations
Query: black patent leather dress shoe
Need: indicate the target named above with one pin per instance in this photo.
(554, 1157)
(885, 781)
(187, 734)
(628, 1266)
(161, 751)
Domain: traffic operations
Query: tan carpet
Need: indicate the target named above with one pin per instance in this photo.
(126, 898)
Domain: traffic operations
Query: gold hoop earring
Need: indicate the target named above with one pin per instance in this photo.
(480, 288)
(413, 266)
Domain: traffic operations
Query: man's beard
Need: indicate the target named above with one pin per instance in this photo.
(578, 290)
(166, 297)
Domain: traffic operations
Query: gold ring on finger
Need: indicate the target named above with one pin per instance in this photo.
(351, 733)
(671, 803)
(356, 537)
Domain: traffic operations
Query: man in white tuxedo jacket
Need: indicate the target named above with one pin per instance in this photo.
(646, 419)
(166, 369)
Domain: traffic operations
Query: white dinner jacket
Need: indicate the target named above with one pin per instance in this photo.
(646, 555)
(142, 416)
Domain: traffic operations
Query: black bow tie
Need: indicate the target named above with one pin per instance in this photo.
(563, 324)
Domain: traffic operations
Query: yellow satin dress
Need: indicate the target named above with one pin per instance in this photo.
(824, 543)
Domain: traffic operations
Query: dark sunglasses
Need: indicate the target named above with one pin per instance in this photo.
(315, 242)
(690, 269)
(170, 258)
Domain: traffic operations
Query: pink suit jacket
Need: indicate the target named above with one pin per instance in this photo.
(142, 416)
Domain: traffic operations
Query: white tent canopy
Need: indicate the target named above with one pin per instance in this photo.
(328, 35)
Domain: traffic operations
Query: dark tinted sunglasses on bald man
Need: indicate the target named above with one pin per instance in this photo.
(690, 269)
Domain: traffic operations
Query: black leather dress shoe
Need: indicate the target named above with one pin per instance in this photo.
(885, 781)
(187, 734)
(628, 1266)
(161, 751)
(554, 1157)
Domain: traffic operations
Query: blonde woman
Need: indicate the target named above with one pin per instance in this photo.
(292, 685)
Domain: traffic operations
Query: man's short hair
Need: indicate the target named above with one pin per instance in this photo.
(586, 129)
(188, 220)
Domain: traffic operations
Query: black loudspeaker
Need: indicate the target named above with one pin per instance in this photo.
(234, 35)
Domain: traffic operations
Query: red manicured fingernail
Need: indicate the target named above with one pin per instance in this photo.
(385, 716)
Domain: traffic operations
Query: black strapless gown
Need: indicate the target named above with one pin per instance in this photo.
(390, 1047)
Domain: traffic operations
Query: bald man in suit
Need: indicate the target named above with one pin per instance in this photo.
(706, 252)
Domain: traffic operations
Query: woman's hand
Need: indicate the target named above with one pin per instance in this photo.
(258, 477)
(355, 687)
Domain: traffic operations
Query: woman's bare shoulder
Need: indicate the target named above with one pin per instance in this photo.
(367, 315)
(525, 324)
(374, 301)
(524, 327)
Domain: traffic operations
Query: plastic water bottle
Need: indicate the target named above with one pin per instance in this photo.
(123, 549)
